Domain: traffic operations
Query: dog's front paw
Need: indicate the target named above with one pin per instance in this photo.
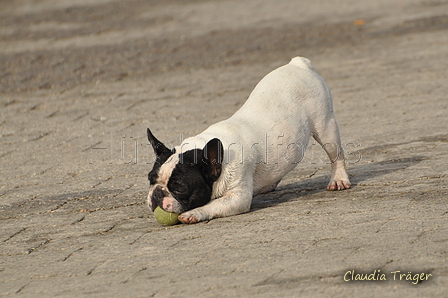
(338, 184)
(192, 216)
(187, 218)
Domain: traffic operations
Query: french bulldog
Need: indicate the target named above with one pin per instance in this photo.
(219, 171)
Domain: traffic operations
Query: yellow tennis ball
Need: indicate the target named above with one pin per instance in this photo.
(165, 218)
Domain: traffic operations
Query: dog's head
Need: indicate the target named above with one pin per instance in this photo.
(181, 181)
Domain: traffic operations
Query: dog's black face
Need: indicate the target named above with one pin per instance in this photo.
(183, 181)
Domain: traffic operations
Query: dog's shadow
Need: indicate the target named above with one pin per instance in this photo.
(357, 173)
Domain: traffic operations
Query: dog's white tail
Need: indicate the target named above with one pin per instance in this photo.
(302, 62)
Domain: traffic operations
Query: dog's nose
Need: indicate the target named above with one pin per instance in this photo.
(158, 193)
(157, 197)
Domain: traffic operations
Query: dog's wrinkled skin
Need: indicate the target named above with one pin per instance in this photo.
(217, 172)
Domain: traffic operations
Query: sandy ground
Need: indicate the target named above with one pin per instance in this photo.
(80, 82)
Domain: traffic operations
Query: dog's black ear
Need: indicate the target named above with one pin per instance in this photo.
(213, 155)
(158, 146)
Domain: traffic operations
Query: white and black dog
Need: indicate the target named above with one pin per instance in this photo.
(217, 172)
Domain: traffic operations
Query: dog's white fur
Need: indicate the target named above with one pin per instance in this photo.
(267, 137)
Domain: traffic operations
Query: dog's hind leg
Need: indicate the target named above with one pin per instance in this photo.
(326, 133)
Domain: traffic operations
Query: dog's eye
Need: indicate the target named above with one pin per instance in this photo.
(179, 195)
(177, 189)
(174, 186)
